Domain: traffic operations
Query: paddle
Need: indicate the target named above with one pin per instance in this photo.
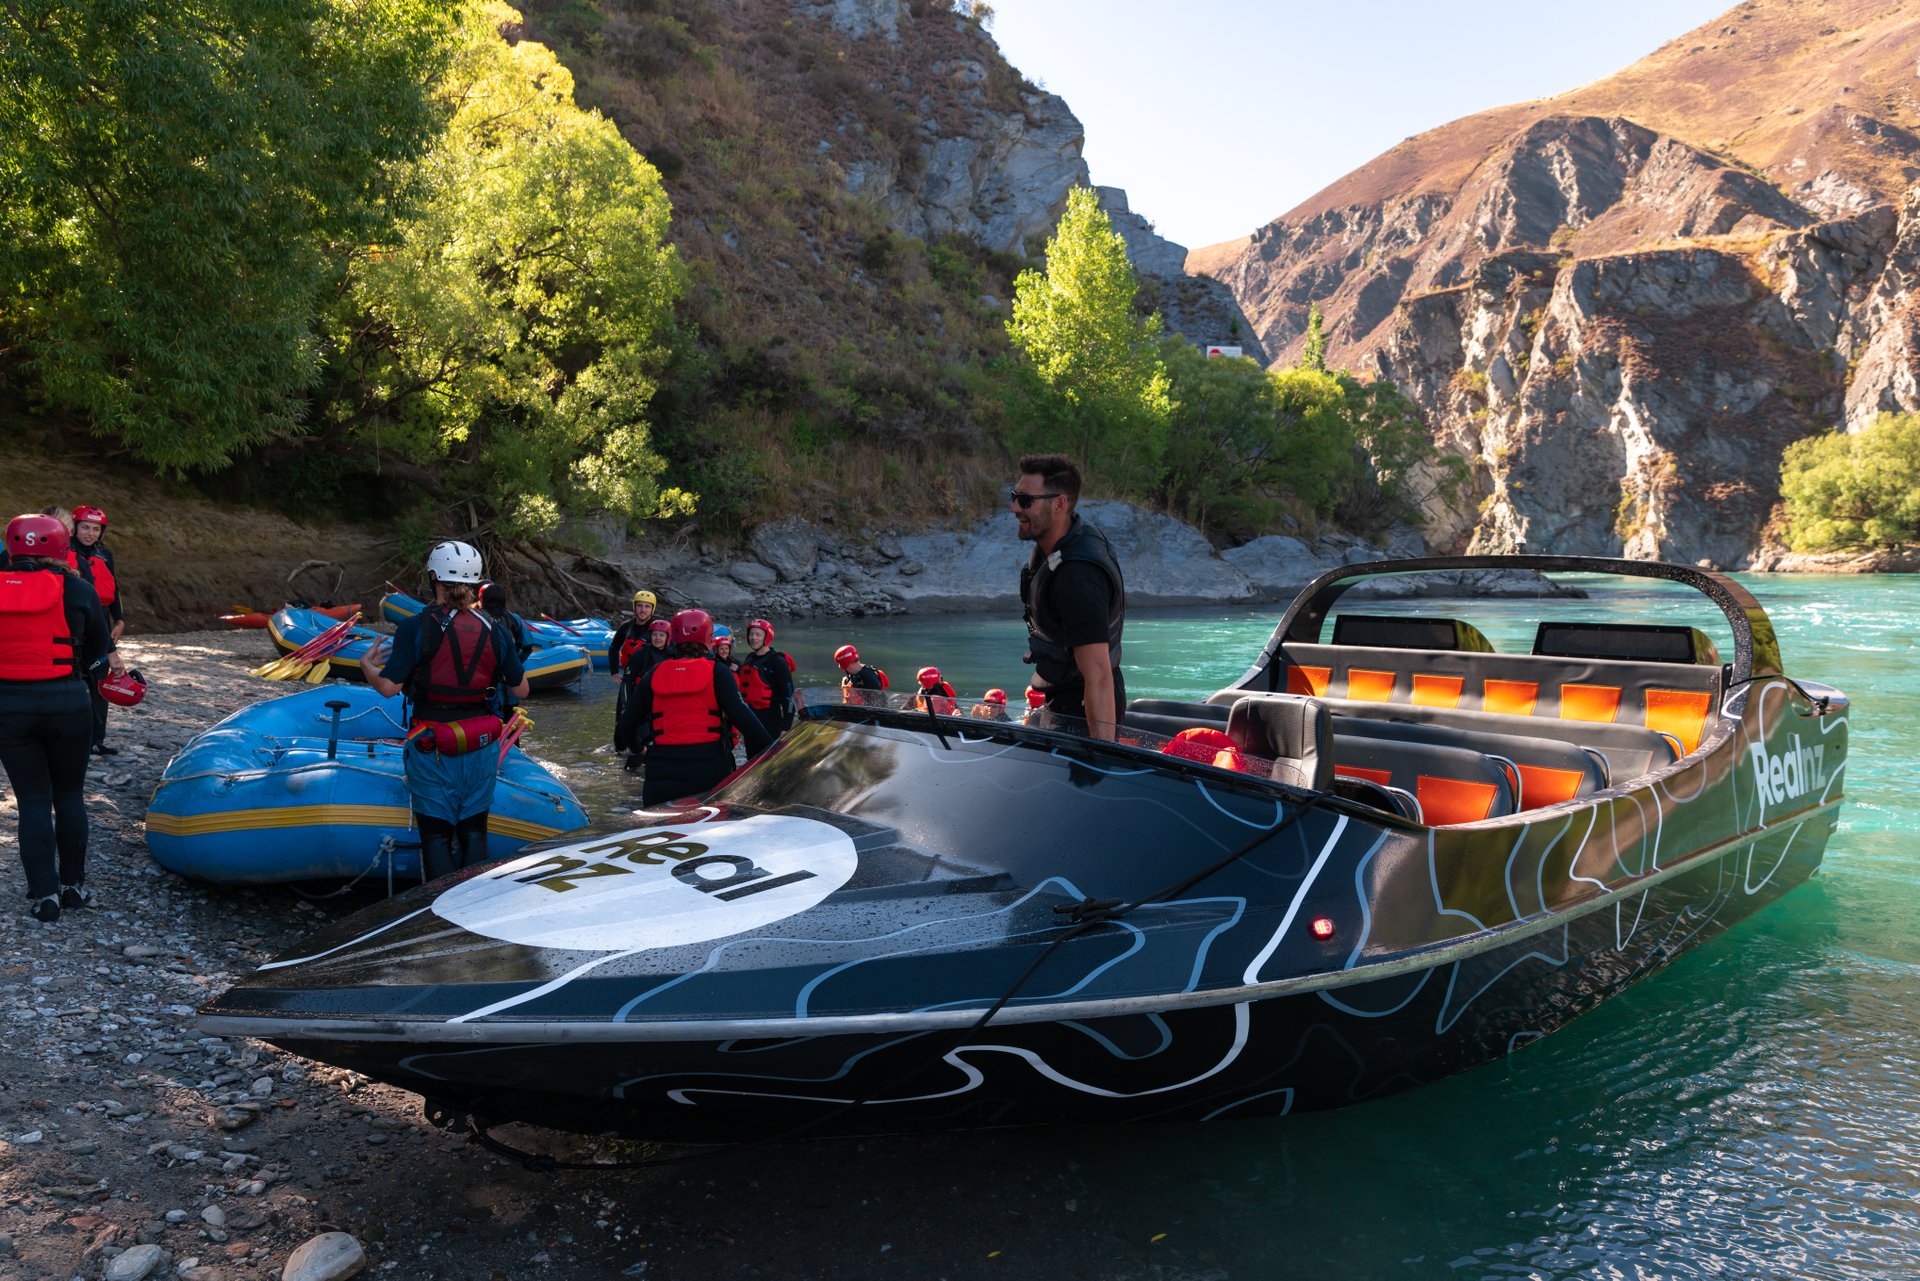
(516, 725)
(571, 631)
(295, 665)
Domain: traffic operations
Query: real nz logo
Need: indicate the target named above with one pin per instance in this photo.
(1794, 773)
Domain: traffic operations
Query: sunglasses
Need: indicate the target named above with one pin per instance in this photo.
(1024, 501)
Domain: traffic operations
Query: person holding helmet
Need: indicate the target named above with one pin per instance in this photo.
(94, 560)
(935, 694)
(683, 714)
(992, 706)
(766, 679)
(452, 662)
(856, 675)
(1073, 594)
(52, 632)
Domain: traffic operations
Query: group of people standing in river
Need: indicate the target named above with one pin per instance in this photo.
(685, 696)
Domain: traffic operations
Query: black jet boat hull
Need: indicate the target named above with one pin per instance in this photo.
(814, 948)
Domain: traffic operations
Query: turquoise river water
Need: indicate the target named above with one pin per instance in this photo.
(1751, 1111)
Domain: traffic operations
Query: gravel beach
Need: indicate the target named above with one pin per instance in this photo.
(132, 1146)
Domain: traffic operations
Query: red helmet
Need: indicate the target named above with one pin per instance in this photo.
(92, 515)
(764, 626)
(660, 625)
(37, 536)
(124, 690)
(846, 654)
(1035, 698)
(693, 626)
(995, 696)
(928, 677)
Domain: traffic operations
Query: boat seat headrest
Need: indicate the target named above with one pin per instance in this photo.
(1295, 732)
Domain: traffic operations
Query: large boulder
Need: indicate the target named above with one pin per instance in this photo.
(790, 547)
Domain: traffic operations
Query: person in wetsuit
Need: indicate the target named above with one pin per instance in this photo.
(94, 559)
(1074, 597)
(627, 640)
(856, 675)
(683, 713)
(766, 679)
(454, 663)
(52, 630)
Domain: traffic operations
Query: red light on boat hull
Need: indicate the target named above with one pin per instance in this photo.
(1322, 928)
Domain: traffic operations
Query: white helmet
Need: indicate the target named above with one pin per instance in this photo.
(454, 563)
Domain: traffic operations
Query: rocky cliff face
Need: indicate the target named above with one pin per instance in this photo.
(1621, 318)
(1198, 308)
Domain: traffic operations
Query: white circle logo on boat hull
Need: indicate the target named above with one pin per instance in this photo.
(656, 886)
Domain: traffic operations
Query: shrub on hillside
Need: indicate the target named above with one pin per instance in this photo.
(1860, 490)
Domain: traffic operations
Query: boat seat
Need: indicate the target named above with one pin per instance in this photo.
(1630, 751)
(1295, 733)
(1452, 784)
(1195, 713)
(1672, 698)
(1169, 725)
(1547, 772)
(1390, 799)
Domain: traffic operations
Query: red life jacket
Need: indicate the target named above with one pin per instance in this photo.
(102, 574)
(460, 664)
(685, 711)
(941, 696)
(754, 688)
(34, 640)
(628, 648)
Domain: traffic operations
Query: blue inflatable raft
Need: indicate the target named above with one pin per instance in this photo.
(548, 667)
(258, 798)
(593, 635)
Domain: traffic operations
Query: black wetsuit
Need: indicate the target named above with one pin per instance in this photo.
(115, 614)
(1075, 596)
(46, 729)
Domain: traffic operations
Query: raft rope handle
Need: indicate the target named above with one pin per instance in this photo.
(1087, 915)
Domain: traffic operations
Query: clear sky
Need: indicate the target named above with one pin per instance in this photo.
(1219, 115)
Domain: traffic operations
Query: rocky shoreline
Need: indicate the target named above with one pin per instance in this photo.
(133, 1146)
(793, 568)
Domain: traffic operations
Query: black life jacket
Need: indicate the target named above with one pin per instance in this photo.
(35, 641)
(1053, 660)
(459, 658)
(685, 711)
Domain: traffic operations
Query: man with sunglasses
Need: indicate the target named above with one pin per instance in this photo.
(1073, 594)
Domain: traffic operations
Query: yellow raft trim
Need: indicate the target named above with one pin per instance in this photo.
(323, 816)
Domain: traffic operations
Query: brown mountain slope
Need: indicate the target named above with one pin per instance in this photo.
(1817, 100)
(1621, 304)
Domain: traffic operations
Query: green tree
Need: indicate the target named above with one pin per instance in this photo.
(1314, 355)
(177, 178)
(516, 322)
(1102, 389)
(1857, 490)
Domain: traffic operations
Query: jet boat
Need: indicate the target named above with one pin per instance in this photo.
(1385, 855)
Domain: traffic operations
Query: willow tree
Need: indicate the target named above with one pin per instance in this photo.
(1103, 387)
(512, 328)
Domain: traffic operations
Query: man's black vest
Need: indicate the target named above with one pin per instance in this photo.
(1052, 660)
